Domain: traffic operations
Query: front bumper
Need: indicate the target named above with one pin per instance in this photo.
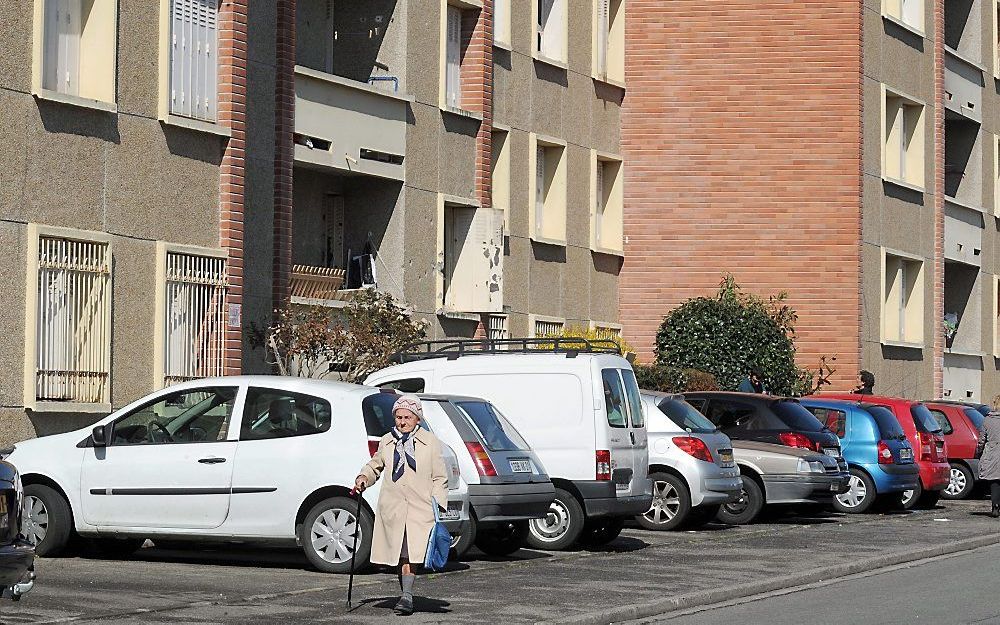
(805, 488)
(935, 476)
(601, 500)
(16, 569)
(511, 502)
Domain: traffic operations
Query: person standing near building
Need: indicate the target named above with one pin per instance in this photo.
(988, 452)
(405, 516)
(867, 386)
(753, 383)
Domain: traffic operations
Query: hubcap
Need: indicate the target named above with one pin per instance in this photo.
(333, 534)
(740, 505)
(36, 521)
(907, 496)
(553, 525)
(666, 503)
(855, 494)
(957, 483)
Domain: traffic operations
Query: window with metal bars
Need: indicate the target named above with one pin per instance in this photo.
(194, 337)
(498, 327)
(194, 67)
(607, 333)
(548, 328)
(73, 321)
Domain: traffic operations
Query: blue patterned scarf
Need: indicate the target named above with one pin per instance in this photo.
(404, 442)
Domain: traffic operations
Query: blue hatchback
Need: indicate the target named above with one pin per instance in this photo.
(875, 448)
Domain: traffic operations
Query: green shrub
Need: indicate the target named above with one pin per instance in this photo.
(673, 380)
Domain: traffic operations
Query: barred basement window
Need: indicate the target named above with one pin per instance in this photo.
(73, 322)
(194, 338)
(548, 328)
(607, 333)
(498, 327)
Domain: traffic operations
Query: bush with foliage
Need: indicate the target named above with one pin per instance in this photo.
(591, 334)
(730, 333)
(673, 380)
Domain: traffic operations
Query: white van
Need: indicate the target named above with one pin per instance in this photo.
(576, 403)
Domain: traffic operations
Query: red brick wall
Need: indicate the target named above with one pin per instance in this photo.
(232, 114)
(741, 135)
(477, 88)
(284, 129)
(938, 278)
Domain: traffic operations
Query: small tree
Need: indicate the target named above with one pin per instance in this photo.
(730, 333)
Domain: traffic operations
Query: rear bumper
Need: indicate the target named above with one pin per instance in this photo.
(511, 502)
(805, 488)
(935, 476)
(894, 478)
(721, 490)
(600, 500)
(15, 562)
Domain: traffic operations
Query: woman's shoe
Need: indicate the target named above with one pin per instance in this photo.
(404, 607)
(995, 513)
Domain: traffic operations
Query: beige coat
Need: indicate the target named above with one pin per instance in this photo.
(405, 506)
(988, 449)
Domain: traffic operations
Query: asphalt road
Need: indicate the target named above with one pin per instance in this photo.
(952, 589)
(232, 585)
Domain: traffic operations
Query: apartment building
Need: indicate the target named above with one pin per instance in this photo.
(464, 156)
(172, 171)
(845, 153)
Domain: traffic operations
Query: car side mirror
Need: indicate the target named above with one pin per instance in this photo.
(99, 436)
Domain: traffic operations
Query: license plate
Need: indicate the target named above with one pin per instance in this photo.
(834, 487)
(450, 515)
(520, 466)
(906, 454)
(831, 451)
(621, 487)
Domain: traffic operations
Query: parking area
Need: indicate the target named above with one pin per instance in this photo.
(641, 571)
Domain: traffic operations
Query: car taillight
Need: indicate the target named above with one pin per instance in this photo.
(794, 439)
(928, 452)
(603, 465)
(481, 459)
(884, 453)
(694, 447)
(372, 447)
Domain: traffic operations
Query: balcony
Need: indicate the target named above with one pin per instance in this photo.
(963, 376)
(325, 286)
(963, 234)
(349, 127)
(963, 86)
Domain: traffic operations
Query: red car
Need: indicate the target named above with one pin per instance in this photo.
(960, 424)
(927, 440)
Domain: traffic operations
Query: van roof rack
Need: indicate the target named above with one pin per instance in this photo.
(456, 348)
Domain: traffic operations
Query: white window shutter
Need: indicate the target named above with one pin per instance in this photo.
(599, 203)
(539, 190)
(61, 63)
(555, 33)
(603, 28)
(194, 59)
(545, 9)
(453, 60)
(500, 18)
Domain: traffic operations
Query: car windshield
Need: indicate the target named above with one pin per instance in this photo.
(924, 420)
(975, 416)
(796, 417)
(888, 426)
(495, 430)
(685, 416)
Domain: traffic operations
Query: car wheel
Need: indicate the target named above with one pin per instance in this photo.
(860, 495)
(701, 515)
(599, 532)
(502, 539)
(671, 503)
(560, 527)
(909, 498)
(328, 535)
(461, 543)
(747, 508)
(930, 498)
(117, 548)
(48, 521)
(961, 484)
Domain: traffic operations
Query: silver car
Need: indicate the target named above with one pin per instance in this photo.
(776, 474)
(691, 464)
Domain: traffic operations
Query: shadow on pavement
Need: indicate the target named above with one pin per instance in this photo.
(420, 604)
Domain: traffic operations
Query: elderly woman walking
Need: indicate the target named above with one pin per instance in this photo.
(418, 479)
(988, 451)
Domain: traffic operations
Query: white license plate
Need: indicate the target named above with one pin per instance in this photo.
(832, 451)
(520, 466)
(450, 515)
(621, 487)
(906, 454)
(834, 487)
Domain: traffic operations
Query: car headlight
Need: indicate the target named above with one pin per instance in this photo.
(817, 467)
(810, 466)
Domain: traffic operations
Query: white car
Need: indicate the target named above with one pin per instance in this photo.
(243, 459)
(575, 402)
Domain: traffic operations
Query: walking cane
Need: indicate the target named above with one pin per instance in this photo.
(354, 553)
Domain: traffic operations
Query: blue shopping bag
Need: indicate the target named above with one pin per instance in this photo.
(438, 544)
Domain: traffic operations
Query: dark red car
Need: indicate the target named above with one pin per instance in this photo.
(960, 424)
(927, 440)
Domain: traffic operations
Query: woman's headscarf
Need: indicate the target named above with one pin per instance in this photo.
(405, 455)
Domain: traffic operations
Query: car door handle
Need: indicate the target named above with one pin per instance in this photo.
(212, 460)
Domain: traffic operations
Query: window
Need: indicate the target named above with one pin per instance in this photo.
(609, 40)
(614, 398)
(409, 385)
(280, 414)
(835, 420)
(608, 332)
(794, 416)
(550, 30)
(909, 12)
(76, 48)
(192, 300)
(996, 38)
(942, 421)
(500, 175)
(72, 321)
(685, 416)
(472, 254)
(903, 139)
(888, 427)
(547, 327)
(903, 300)
(728, 415)
(607, 212)
(996, 175)
(497, 327)
(547, 211)
(924, 420)
(458, 72)
(190, 416)
(501, 22)
(377, 412)
(194, 69)
(497, 433)
(634, 401)
(453, 58)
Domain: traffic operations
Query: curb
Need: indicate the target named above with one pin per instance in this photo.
(728, 593)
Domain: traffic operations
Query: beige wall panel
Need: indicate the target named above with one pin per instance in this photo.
(521, 93)
(517, 276)
(12, 273)
(503, 85)
(580, 22)
(578, 196)
(871, 208)
(606, 118)
(871, 294)
(15, 111)
(546, 279)
(165, 183)
(873, 33)
(577, 109)
(15, 426)
(904, 226)
(576, 285)
(604, 286)
(132, 320)
(420, 272)
(457, 152)
(547, 100)
(422, 71)
(15, 41)
(261, 19)
(138, 52)
(519, 171)
(912, 378)
(422, 152)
